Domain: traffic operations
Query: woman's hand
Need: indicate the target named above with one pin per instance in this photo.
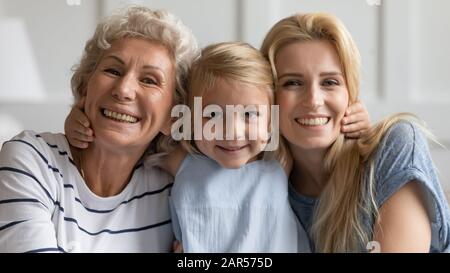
(356, 120)
(77, 127)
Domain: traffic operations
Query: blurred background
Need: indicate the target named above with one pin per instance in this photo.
(404, 46)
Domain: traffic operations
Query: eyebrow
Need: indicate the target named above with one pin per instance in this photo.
(331, 73)
(147, 66)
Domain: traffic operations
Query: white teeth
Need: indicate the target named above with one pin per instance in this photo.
(312, 121)
(119, 116)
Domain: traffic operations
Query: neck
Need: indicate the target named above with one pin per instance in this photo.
(106, 172)
(308, 176)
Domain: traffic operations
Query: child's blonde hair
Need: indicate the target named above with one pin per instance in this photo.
(230, 61)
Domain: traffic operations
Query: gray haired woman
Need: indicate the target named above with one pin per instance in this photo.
(56, 198)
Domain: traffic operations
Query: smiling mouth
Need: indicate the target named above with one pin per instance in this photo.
(232, 149)
(120, 117)
(313, 121)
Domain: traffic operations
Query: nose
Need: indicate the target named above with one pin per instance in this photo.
(238, 128)
(126, 88)
(313, 97)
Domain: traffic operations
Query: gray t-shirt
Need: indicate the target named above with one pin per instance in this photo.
(401, 157)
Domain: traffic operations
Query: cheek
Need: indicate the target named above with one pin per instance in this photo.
(161, 100)
(158, 104)
(286, 105)
(286, 102)
(204, 146)
(263, 127)
(340, 102)
(97, 86)
(91, 99)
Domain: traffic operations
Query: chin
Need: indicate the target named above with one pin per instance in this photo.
(116, 139)
(315, 144)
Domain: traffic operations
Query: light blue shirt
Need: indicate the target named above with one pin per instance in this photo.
(215, 209)
(402, 156)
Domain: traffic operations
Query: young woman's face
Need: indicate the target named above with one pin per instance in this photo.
(249, 127)
(311, 93)
(129, 95)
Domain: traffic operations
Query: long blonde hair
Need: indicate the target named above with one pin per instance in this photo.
(347, 196)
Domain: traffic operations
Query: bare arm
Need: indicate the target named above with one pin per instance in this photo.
(404, 222)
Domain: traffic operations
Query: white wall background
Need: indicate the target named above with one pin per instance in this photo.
(404, 46)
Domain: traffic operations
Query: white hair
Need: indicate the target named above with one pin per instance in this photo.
(137, 21)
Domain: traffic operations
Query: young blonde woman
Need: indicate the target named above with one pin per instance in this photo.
(382, 187)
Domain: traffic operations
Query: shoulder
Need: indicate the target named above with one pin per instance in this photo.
(400, 134)
(40, 141)
(33, 165)
(402, 156)
(153, 177)
(403, 146)
(30, 145)
(271, 168)
(196, 164)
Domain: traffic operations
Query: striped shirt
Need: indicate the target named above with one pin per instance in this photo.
(45, 205)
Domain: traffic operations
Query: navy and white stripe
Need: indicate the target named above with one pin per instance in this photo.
(43, 196)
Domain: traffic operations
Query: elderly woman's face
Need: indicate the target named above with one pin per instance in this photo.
(129, 95)
(312, 94)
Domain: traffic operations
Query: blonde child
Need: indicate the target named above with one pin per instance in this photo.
(225, 197)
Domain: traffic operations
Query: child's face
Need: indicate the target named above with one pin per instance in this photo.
(249, 127)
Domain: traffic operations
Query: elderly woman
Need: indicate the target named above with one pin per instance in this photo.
(54, 197)
(382, 187)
